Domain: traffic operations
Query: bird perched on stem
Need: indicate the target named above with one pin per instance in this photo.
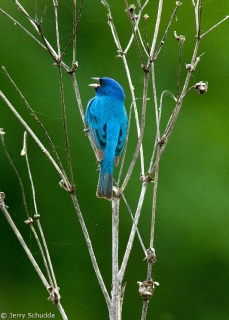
(107, 120)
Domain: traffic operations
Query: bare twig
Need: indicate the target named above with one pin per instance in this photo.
(131, 14)
(65, 126)
(156, 30)
(181, 40)
(37, 120)
(135, 112)
(138, 18)
(43, 13)
(74, 32)
(16, 171)
(24, 29)
(213, 27)
(155, 103)
(65, 183)
(178, 4)
(91, 251)
(51, 273)
(123, 55)
(138, 233)
(76, 23)
(55, 5)
(133, 232)
(55, 298)
(154, 199)
(116, 308)
(172, 121)
(37, 27)
(144, 102)
(78, 98)
(22, 242)
(125, 148)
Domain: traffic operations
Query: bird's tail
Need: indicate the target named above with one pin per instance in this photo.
(105, 184)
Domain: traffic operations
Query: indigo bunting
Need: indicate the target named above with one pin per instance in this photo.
(106, 119)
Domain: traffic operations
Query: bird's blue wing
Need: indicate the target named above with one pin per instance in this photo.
(97, 128)
(122, 134)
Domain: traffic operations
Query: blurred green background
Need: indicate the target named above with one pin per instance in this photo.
(192, 220)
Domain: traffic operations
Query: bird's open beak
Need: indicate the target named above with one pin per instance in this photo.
(95, 85)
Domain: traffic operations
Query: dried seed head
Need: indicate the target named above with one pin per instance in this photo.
(151, 256)
(2, 196)
(2, 132)
(180, 38)
(146, 288)
(201, 87)
(132, 8)
(178, 3)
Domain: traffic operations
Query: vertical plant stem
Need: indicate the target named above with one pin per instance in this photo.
(178, 4)
(90, 249)
(65, 125)
(138, 233)
(74, 32)
(159, 12)
(131, 17)
(142, 129)
(135, 111)
(179, 69)
(116, 308)
(133, 232)
(48, 266)
(155, 103)
(78, 98)
(17, 174)
(154, 199)
(144, 309)
(22, 242)
(55, 4)
(123, 55)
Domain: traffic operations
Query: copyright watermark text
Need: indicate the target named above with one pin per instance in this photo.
(29, 315)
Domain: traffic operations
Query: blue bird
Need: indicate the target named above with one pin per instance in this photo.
(107, 121)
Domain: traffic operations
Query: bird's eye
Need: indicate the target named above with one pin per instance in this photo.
(103, 83)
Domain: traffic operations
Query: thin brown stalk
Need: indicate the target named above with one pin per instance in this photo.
(65, 125)
(179, 68)
(24, 29)
(37, 27)
(138, 18)
(178, 4)
(132, 217)
(76, 23)
(55, 5)
(115, 312)
(133, 232)
(54, 296)
(22, 242)
(131, 86)
(131, 15)
(16, 172)
(156, 30)
(37, 120)
(65, 183)
(213, 27)
(142, 128)
(48, 265)
(91, 251)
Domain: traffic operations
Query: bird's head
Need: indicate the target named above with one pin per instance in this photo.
(109, 87)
